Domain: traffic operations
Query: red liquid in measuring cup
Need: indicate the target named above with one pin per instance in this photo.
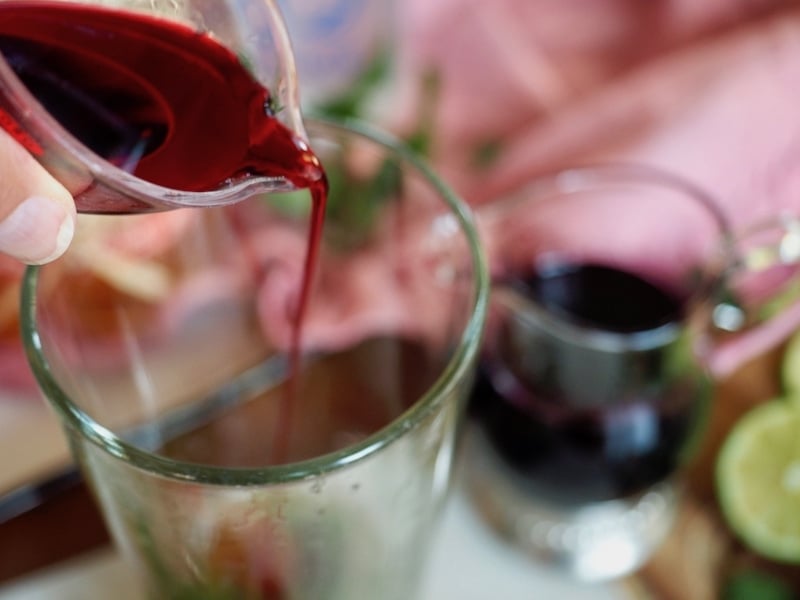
(170, 104)
(159, 99)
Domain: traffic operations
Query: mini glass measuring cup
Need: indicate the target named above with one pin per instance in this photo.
(136, 105)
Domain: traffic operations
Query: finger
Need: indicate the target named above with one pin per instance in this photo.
(37, 214)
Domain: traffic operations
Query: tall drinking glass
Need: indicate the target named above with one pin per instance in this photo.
(225, 465)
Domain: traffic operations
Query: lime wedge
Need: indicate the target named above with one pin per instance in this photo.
(758, 480)
(790, 368)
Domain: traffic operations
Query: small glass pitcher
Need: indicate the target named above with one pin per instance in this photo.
(619, 293)
(253, 32)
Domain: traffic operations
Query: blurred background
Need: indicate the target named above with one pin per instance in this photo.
(494, 94)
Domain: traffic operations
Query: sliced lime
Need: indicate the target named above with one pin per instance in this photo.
(758, 480)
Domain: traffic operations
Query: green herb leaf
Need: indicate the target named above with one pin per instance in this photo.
(421, 139)
(755, 585)
(353, 204)
(351, 103)
(487, 154)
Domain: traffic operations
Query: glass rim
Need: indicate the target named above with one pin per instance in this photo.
(590, 176)
(724, 256)
(465, 354)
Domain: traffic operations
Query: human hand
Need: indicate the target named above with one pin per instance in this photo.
(37, 214)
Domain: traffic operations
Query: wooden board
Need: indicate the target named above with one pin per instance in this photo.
(702, 554)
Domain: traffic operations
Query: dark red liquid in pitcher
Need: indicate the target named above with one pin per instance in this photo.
(575, 424)
(161, 100)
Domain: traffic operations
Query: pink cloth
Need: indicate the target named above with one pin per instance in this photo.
(707, 90)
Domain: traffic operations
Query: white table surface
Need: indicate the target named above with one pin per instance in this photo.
(468, 563)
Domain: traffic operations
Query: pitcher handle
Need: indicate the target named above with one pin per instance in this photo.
(759, 304)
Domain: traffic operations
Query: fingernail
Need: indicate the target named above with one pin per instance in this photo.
(37, 231)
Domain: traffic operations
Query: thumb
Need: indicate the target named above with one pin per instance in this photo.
(37, 214)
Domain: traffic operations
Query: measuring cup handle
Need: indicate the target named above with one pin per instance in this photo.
(761, 305)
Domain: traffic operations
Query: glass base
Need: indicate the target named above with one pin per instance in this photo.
(596, 542)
